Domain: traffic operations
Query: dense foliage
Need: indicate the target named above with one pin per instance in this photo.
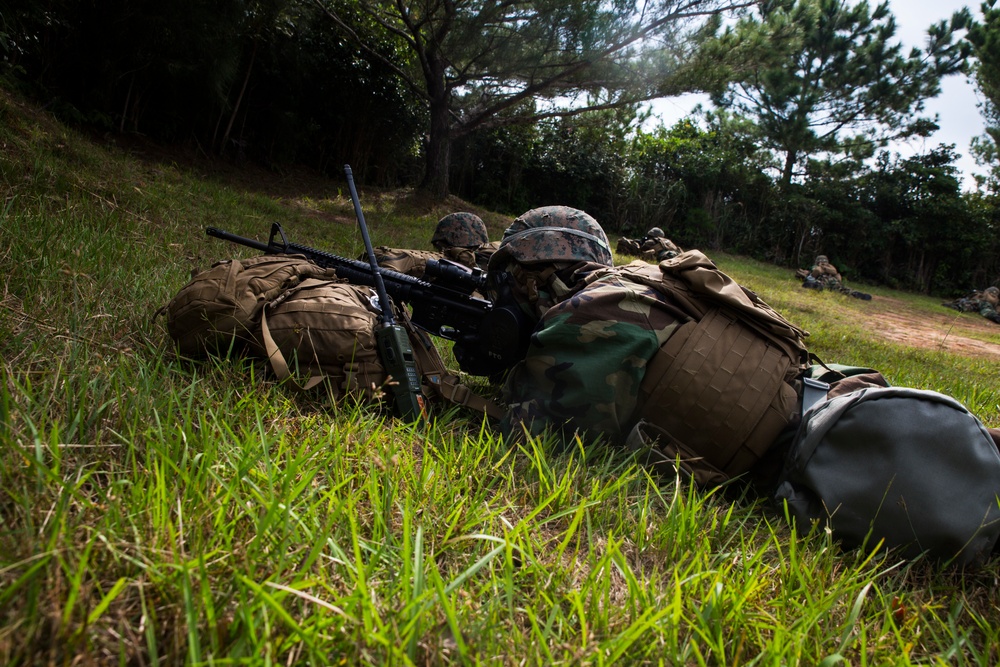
(985, 38)
(280, 82)
(250, 79)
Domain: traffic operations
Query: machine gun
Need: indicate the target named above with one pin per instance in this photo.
(490, 335)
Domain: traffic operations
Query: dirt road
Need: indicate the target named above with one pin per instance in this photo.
(950, 331)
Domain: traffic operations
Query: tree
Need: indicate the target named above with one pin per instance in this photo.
(929, 236)
(831, 80)
(475, 63)
(701, 183)
(985, 39)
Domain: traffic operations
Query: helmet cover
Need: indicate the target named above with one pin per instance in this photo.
(460, 230)
(553, 234)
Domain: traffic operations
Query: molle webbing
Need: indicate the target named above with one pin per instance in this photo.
(719, 388)
(723, 385)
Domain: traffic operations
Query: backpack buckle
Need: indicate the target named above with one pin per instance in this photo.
(813, 391)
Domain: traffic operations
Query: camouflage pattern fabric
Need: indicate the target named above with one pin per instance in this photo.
(989, 311)
(651, 248)
(829, 282)
(824, 275)
(484, 253)
(985, 303)
(657, 249)
(587, 358)
(722, 364)
(411, 262)
(967, 304)
(628, 247)
(460, 230)
(552, 234)
(464, 256)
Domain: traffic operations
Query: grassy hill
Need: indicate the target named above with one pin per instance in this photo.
(155, 511)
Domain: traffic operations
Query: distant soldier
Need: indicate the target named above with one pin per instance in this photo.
(986, 303)
(463, 238)
(653, 247)
(459, 237)
(824, 275)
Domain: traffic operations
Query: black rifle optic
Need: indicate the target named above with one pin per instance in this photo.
(490, 336)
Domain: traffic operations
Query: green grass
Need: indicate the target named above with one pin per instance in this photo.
(154, 511)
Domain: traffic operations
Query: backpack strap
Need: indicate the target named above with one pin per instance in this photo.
(278, 363)
(813, 391)
(445, 383)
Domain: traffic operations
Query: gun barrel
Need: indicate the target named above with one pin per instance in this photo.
(437, 308)
(242, 240)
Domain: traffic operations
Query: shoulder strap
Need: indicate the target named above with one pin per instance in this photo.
(445, 383)
(274, 355)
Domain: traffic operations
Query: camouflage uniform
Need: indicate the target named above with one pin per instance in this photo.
(459, 237)
(484, 253)
(542, 251)
(653, 247)
(824, 275)
(463, 238)
(986, 303)
(587, 357)
(601, 328)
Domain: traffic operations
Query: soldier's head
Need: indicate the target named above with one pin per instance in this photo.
(655, 233)
(821, 259)
(553, 234)
(992, 294)
(460, 230)
(541, 246)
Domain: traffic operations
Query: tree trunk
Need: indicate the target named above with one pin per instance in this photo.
(438, 151)
(239, 100)
(786, 173)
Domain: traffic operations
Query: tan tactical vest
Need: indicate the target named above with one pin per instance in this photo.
(722, 388)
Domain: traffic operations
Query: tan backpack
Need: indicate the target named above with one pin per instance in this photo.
(324, 330)
(311, 327)
(722, 388)
(219, 309)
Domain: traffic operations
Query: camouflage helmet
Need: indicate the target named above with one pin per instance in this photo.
(821, 259)
(553, 234)
(655, 233)
(460, 230)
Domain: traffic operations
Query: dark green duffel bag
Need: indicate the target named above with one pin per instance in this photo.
(909, 467)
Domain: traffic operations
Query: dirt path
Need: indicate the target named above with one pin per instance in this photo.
(943, 331)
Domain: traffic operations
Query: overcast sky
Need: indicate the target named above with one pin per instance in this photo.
(956, 107)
